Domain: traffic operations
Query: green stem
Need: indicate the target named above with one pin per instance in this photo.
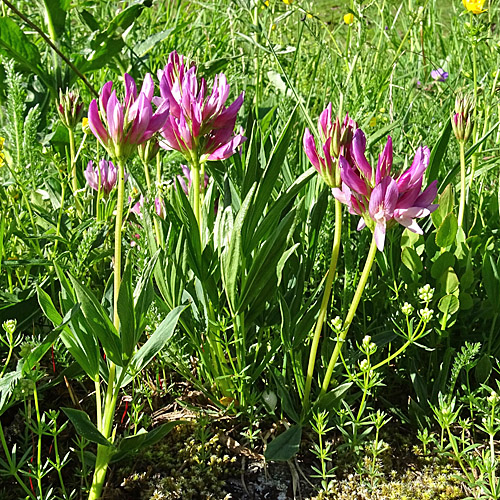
(148, 183)
(461, 209)
(104, 452)
(39, 447)
(11, 349)
(474, 119)
(12, 466)
(58, 462)
(195, 178)
(324, 305)
(59, 218)
(350, 315)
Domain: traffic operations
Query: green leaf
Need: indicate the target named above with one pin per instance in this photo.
(84, 426)
(231, 258)
(491, 279)
(127, 16)
(285, 446)
(263, 267)
(269, 177)
(449, 304)
(443, 262)
(126, 314)
(333, 398)
(437, 154)
(16, 45)
(446, 202)
(448, 281)
(157, 341)
(143, 439)
(56, 11)
(81, 344)
(411, 260)
(447, 232)
(99, 322)
(142, 48)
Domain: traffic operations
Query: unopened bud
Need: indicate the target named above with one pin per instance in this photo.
(70, 108)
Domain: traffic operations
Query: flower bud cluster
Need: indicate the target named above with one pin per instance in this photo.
(337, 324)
(461, 121)
(407, 309)
(70, 108)
(9, 326)
(367, 346)
(426, 293)
(426, 314)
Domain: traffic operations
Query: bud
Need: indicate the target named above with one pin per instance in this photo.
(364, 366)
(407, 309)
(426, 314)
(426, 293)
(148, 150)
(461, 121)
(10, 326)
(70, 108)
(337, 324)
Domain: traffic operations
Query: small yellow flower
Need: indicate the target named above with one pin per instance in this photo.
(266, 3)
(2, 140)
(373, 121)
(273, 27)
(309, 15)
(287, 2)
(474, 6)
(85, 125)
(349, 18)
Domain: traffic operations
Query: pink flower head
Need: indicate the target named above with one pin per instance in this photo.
(121, 127)
(137, 208)
(104, 175)
(160, 207)
(336, 139)
(440, 75)
(198, 121)
(382, 199)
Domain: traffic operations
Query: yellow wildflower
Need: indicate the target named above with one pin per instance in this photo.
(373, 121)
(287, 2)
(474, 6)
(266, 3)
(85, 125)
(309, 15)
(2, 140)
(349, 18)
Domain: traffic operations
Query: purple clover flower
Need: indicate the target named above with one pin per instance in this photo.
(335, 138)
(120, 128)
(198, 122)
(440, 75)
(381, 199)
(107, 173)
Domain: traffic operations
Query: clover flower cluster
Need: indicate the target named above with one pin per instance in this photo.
(378, 197)
(185, 117)
(199, 124)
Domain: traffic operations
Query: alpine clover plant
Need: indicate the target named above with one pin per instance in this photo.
(379, 198)
(120, 127)
(199, 125)
(336, 139)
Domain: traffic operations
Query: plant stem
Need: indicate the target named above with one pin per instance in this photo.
(12, 466)
(39, 447)
(148, 184)
(195, 182)
(54, 48)
(324, 305)
(461, 209)
(350, 315)
(104, 452)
